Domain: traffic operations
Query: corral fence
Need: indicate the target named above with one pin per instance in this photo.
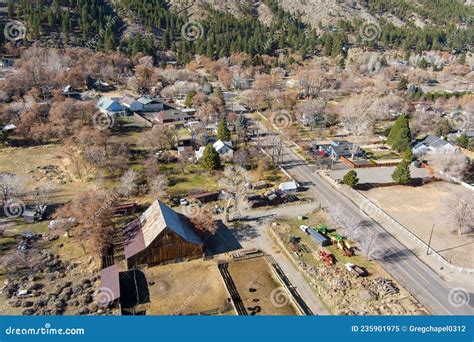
(368, 204)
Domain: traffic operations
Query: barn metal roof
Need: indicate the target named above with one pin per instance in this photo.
(139, 234)
(109, 285)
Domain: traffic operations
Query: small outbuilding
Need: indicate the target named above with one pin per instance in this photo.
(292, 186)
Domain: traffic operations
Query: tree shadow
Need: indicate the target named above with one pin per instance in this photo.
(390, 256)
(222, 241)
(245, 232)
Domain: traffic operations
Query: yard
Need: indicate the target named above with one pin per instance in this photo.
(419, 208)
(259, 288)
(186, 288)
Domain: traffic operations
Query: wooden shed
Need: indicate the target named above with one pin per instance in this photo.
(159, 236)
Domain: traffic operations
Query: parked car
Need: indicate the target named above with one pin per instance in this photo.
(304, 228)
(183, 201)
(356, 270)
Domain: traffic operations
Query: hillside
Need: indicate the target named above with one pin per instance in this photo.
(219, 28)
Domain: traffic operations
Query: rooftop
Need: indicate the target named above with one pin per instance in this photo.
(140, 233)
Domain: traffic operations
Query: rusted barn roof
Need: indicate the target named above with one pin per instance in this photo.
(139, 234)
(109, 285)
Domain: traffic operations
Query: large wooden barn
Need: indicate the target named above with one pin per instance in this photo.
(159, 236)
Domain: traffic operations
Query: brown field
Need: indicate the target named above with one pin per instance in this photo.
(256, 274)
(418, 208)
(26, 162)
(186, 288)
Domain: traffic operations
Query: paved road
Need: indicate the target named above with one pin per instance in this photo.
(432, 291)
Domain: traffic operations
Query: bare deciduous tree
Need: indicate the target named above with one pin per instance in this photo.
(204, 223)
(92, 211)
(461, 214)
(41, 194)
(128, 183)
(235, 180)
(11, 186)
(158, 185)
(275, 148)
(356, 119)
(449, 165)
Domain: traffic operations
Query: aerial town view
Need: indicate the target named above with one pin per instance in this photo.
(233, 158)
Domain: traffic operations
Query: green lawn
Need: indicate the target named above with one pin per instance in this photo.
(381, 155)
(181, 184)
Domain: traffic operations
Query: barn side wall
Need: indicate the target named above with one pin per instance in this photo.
(168, 247)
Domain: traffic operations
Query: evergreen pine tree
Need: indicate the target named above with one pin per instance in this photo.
(223, 132)
(403, 84)
(350, 179)
(210, 159)
(188, 102)
(399, 137)
(402, 175)
(463, 140)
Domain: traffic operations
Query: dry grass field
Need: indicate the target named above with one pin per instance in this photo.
(418, 208)
(186, 288)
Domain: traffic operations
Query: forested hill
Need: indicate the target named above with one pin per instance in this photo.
(288, 26)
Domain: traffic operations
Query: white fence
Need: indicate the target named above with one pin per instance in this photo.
(369, 204)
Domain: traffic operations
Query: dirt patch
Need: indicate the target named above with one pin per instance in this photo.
(261, 292)
(186, 288)
(418, 208)
(41, 164)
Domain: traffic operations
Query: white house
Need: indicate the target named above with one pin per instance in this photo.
(433, 144)
(199, 152)
(223, 147)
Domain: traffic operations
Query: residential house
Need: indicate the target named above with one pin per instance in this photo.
(9, 128)
(340, 148)
(224, 148)
(198, 154)
(151, 104)
(314, 120)
(211, 128)
(98, 84)
(131, 105)
(433, 144)
(161, 235)
(110, 105)
(174, 116)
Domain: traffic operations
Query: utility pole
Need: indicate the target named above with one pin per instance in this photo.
(429, 241)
